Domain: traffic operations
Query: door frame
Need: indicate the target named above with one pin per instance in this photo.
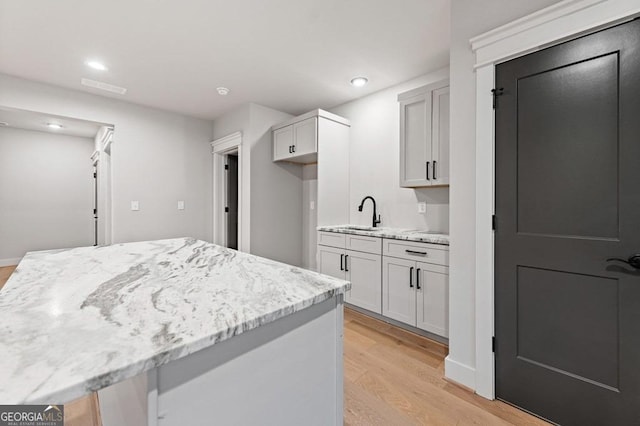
(549, 26)
(220, 148)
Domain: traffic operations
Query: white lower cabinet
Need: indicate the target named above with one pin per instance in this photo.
(398, 292)
(432, 304)
(405, 281)
(416, 293)
(331, 262)
(362, 269)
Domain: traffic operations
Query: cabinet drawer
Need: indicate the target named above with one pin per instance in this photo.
(331, 239)
(365, 244)
(421, 252)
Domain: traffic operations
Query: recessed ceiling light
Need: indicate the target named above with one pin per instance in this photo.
(359, 81)
(222, 91)
(3, 124)
(55, 126)
(97, 65)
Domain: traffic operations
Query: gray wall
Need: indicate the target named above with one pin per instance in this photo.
(275, 188)
(468, 19)
(46, 192)
(158, 158)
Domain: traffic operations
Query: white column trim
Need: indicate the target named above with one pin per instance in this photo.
(557, 23)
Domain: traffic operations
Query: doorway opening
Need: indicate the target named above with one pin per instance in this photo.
(55, 183)
(231, 196)
(228, 205)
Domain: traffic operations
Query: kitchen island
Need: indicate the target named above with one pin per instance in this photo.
(173, 332)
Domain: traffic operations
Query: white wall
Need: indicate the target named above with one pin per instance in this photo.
(468, 19)
(46, 192)
(275, 202)
(158, 158)
(375, 162)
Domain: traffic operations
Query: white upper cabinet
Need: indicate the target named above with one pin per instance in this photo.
(424, 136)
(300, 139)
(440, 137)
(305, 134)
(282, 142)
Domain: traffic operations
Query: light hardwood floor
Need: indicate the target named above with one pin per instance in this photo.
(391, 378)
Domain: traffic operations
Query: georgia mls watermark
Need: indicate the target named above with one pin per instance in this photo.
(31, 415)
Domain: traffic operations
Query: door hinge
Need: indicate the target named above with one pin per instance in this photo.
(95, 211)
(493, 222)
(95, 175)
(496, 92)
(493, 344)
(226, 167)
(226, 209)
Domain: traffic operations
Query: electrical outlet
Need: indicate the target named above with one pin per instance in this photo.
(180, 205)
(135, 206)
(422, 207)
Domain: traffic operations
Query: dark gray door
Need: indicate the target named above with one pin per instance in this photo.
(567, 199)
(232, 201)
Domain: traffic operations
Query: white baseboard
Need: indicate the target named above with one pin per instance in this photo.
(10, 262)
(460, 373)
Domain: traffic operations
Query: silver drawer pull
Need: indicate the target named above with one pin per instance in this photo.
(421, 253)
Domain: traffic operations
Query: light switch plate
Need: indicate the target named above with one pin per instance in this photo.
(135, 206)
(312, 205)
(180, 205)
(422, 207)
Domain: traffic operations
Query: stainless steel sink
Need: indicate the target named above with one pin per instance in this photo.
(361, 228)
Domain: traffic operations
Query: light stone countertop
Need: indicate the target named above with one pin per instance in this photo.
(75, 321)
(394, 233)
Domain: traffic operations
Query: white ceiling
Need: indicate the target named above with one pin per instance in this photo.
(292, 55)
(31, 120)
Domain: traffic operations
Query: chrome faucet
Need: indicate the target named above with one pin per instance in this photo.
(376, 221)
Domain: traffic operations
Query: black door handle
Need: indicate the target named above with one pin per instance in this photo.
(293, 148)
(411, 277)
(633, 261)
(428, 170)
(421, 253)
(346, 264)
(434, 170)
(289, 149)
(418, 279)
(341, 260)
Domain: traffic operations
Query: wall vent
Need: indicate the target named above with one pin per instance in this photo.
(103, 86)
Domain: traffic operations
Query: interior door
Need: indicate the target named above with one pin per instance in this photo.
(567, 199)
(364, 270)
(232, 201)
(398, 289)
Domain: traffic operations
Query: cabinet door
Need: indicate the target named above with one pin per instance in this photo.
(398, 290)
(433, 298)
(305, 136)
(282, 143)
(440, 137)
(364, 270)
(415, 141)
(331, 261)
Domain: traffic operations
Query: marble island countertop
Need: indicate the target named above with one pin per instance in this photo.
(78, 320)
(395, 233)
